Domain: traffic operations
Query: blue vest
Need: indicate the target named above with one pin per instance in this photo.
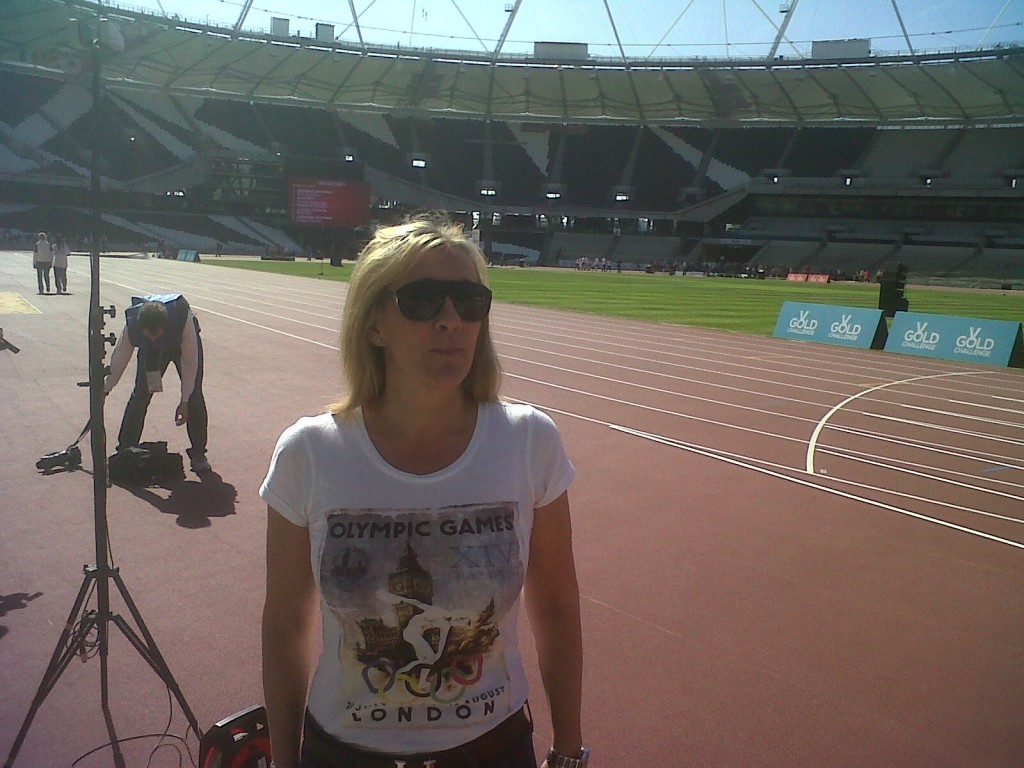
(168, 346)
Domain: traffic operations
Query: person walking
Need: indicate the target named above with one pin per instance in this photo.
(60, 265)
(42, 260)
(428, 509)
(164, 330)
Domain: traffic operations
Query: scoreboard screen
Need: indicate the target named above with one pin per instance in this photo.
(329, 203)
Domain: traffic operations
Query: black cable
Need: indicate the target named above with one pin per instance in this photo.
(168, 734)
(127, 739)
(88, 643)
(160, 745)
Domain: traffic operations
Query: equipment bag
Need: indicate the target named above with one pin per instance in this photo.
(145, 464)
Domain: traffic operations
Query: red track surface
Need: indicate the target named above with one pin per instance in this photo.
(738, 609)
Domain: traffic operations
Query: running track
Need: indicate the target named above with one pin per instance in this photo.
(790, 554)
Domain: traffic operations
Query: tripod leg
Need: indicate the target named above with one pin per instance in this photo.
(108, 718)
(65, 651)
(149, 651)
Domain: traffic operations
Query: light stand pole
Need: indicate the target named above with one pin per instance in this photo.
(84, 623)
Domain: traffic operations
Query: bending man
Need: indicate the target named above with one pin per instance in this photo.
(164, 330)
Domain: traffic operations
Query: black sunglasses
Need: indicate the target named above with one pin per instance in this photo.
(421, 300)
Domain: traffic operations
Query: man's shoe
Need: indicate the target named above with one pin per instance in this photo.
(200, 463)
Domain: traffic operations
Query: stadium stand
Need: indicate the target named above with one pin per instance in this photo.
(784, 253)
(824, 152)
(936, 259)
(897, 155)
(708, 161)
(848, 258)
(983, 154)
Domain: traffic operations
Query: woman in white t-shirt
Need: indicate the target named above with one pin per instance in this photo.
(416, 512)
(60, 264)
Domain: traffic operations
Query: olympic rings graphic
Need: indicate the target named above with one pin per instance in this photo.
(474, 662)
(381, 666)
(444, 685)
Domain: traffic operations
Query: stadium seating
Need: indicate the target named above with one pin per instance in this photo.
(897, 155)
(825, 198)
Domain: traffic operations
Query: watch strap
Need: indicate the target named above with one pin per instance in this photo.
(556, 760)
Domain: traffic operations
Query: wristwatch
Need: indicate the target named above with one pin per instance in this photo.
(556, 760)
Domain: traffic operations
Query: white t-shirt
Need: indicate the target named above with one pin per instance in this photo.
(420, 576)
(43, 253)
(60, 256)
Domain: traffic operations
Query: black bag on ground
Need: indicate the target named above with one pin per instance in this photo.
(145, 463)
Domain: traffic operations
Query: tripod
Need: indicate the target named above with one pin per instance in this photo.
(83, 623)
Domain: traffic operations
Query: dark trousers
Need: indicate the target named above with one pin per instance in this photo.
(43, 273)
(60, 277)
(509, 745)
(138, 404)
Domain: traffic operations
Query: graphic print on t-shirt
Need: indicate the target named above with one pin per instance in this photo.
(420, 596)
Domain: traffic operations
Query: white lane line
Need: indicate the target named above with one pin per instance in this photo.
(954, 430)
(913, 497)
(209, 311)
(652, 408)
(912, 467)
(717, 385)
(961, 415)
(918, 445)
(757, 464)
(745, 463)
(816, 486)
(812, 443)
(924, 445)
(638, 619)
(820, 424)
(1008, 399)
(1014, 411)
(888, 466)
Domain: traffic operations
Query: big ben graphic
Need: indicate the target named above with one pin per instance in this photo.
(447, 636)
(410, 580)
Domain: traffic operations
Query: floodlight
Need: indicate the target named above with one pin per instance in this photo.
(553, 191)
(622, 193)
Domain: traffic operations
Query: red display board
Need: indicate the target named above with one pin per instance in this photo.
(329, 203)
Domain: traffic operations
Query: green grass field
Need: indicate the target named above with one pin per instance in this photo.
(748, 306)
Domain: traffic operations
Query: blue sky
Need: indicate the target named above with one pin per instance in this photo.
(673, 28)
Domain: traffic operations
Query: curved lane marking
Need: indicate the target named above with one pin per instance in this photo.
(812, 443)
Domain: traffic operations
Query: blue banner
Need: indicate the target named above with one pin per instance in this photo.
(847, 326)
(967, 339)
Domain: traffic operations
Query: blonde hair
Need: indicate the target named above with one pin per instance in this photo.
(387, 258)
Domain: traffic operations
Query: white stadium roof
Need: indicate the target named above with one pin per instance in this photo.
(969, 87)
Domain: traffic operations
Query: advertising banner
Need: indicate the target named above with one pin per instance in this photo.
(967, 339)
(828, 324)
